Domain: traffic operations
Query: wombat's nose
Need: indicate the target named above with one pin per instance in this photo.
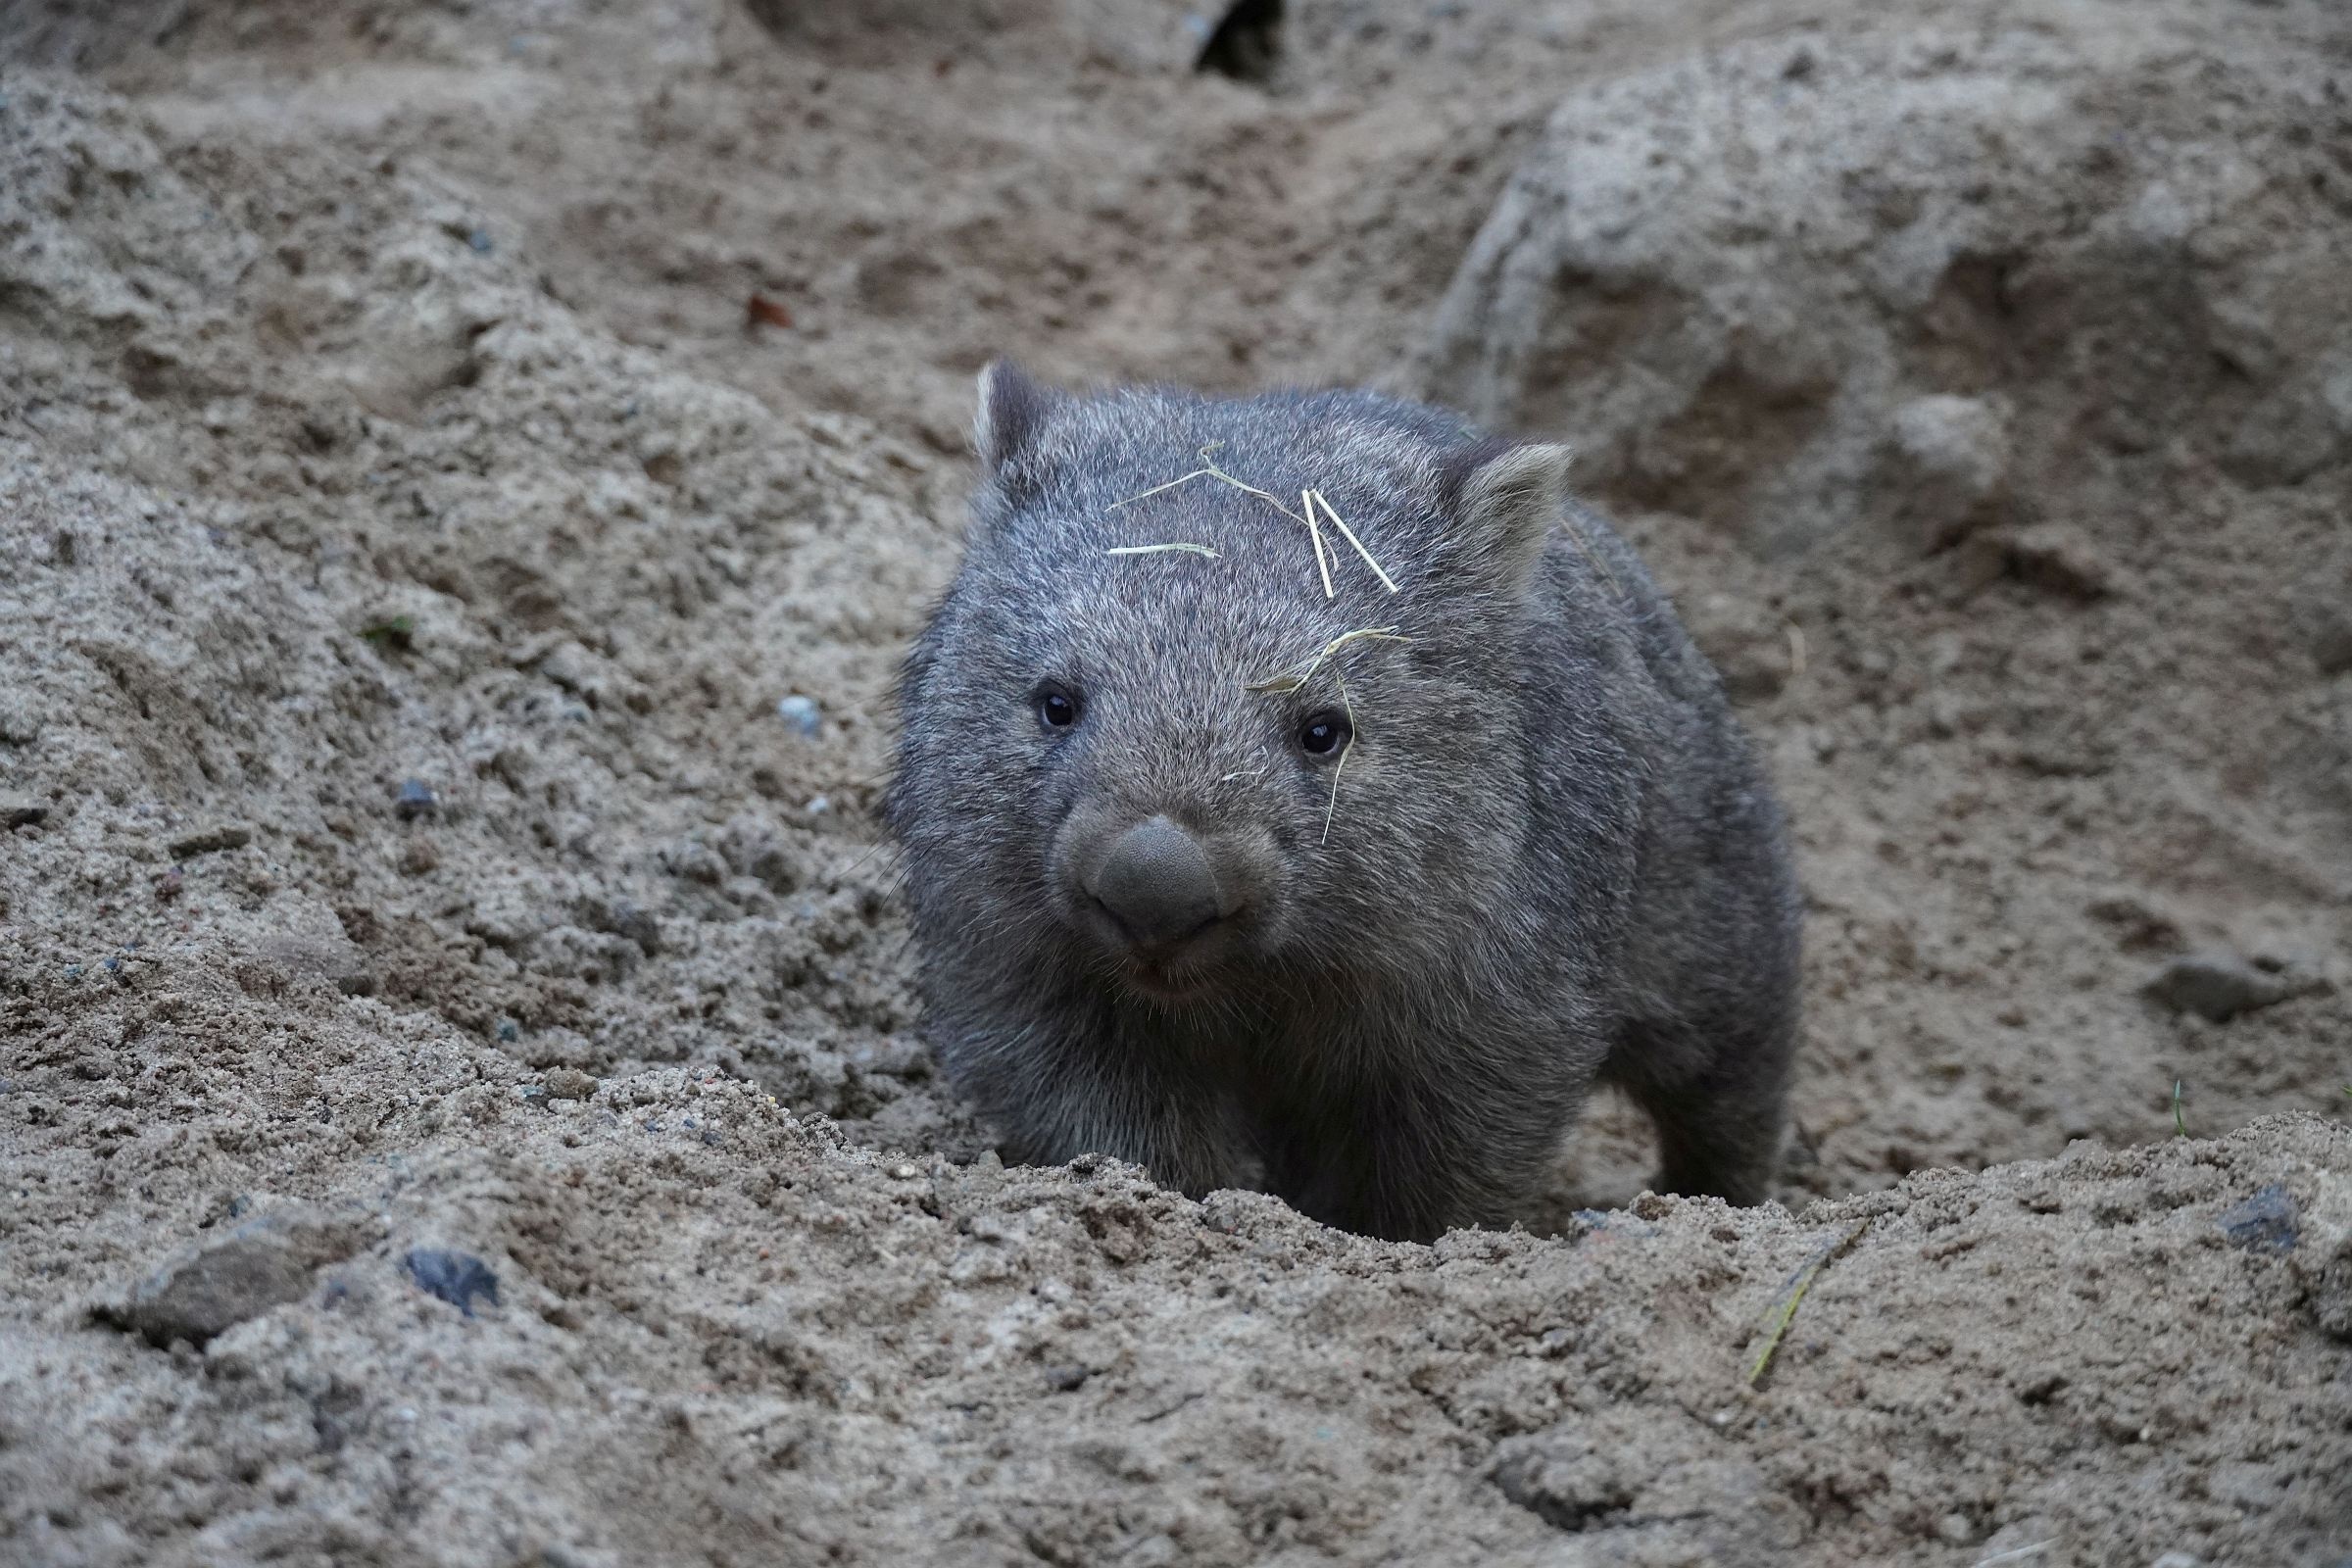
(1156, 882)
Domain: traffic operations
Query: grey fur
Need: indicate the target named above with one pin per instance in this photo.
(1553, 857)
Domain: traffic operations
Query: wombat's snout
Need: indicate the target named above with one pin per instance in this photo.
(1157, 883)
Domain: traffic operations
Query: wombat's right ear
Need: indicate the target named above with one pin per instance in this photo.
(1012, 407)
(1507, 498)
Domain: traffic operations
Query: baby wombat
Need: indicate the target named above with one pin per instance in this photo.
(1344, 893)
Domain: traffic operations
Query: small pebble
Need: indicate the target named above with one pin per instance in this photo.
(2219, 985)
(569, 1082)
(802, 713)
(413, 799)
(1066, 1379)
(2262, 1223)
(23, 813)
(479, 239)
(508, 1031)
(819, 805)
(903, 1172)
(457, 1278)
(206, 840)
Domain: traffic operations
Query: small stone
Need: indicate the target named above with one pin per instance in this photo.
(206, 840)
(219, 1282)
(903, 1172)
(23, 813)
(2262, 1223)
(479, 240)
(2058, 559)
(570, 1083)
(1949, 466)
(457, 1278)
(2219, 985)
(801, 713)
(819, 805)
(1066, 1379)
(413, 799)
(508, 1031)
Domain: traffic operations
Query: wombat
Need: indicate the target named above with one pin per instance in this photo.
(1227, 857)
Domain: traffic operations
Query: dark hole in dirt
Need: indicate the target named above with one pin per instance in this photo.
(1246, 42)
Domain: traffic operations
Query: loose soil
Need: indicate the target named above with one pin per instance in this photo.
(460, 1096)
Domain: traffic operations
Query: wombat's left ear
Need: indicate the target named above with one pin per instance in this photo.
(1508, 499)
(1011, 408)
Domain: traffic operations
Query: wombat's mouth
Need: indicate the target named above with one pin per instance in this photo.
(1170, 968)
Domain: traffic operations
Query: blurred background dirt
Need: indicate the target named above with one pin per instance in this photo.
(468, 470)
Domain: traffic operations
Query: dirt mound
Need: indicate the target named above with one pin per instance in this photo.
(460, 1096)
(1927, 275)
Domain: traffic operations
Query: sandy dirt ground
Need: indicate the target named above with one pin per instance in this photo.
(460, 1096)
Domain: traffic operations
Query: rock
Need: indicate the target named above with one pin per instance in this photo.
(226, 1280)
(2323, 1261)
(1066, 1379)
(413, 799)
(1946, 465)
(2057, 557)
(206, 840)
(2219, 985)
(569, 1082)
(23, 813)
(801, 713)
(2262, 1223)
(457, 1277)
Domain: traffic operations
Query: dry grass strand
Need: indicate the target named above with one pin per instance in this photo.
(1158, 550)
(1304, 672)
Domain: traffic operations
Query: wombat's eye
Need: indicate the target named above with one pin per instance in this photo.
(1056, 709)
(1323, 734)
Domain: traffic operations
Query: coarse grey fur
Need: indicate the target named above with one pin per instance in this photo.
(1552, 858)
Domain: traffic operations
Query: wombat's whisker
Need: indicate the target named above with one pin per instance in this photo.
(1155, 550)
(1332, 810)
(1307, 504)
(1312, 499)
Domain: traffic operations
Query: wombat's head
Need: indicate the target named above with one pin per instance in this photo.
(1145, 747)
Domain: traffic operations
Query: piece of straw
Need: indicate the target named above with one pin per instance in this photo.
(1155, 550)
(1793, 1292)
(1291, 682)
(1312, 499)
(1307, 504)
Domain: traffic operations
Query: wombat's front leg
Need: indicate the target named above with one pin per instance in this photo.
(1718, 1096)
(1411, 1160)
(1053, 1100)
